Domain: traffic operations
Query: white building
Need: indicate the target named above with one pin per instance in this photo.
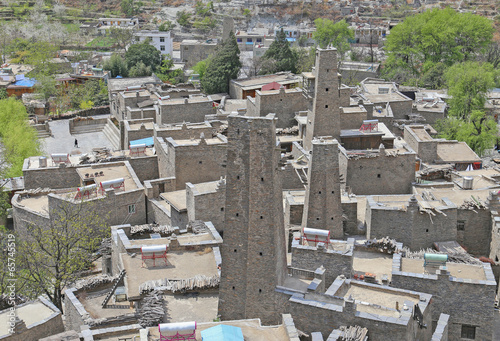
(161, 40)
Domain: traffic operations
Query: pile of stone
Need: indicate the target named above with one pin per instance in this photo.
(151, 228)
(152, 309)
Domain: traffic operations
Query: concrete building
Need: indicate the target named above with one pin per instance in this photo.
(254, 250)
(162, 41)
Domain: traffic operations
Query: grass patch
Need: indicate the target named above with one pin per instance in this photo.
(72, 28)
(102, 41)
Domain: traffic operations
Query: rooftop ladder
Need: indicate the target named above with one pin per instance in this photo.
(108, 296)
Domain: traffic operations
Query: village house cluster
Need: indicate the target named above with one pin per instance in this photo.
(293, 208)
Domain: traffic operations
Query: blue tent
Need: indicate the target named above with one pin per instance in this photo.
(149, 141)
(222, 332)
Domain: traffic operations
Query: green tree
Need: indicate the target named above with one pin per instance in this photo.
(20, 140)
(166, 26)
(434, 77)
(434, 36)
(131, 7)
(333, 34)
(478, 131)
(305, 58)
(468, 84)
(3, 93)
(222, 67)
(52, 257)
(140, 70)
(167, 73)
(121, 36)
(183, 18)
(145, 53)
(200, 68)
(117, 65)
(45, 86)
(279, 56)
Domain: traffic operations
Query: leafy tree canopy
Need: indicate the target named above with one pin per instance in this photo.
(431, 37)
(145, 53)
(140, 70)
(468, 84)
(131, 7)
(222, 67)
(117, 65)
(279, 56)
(333, 34)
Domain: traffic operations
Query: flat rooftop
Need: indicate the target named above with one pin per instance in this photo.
(259, 81)
(384, 98)
(376, 263)
(37, 203)
(456, 195)
(30, 313)
(379, 296)
(455, 151)
(235, 104)
(176, 199)
(205, 187)
(34, 161)
(116, 84)
(194, 142)
(181, 265)
(137, 126)
(179, 101)
(133, 94)
(109, 173)
(458, 270)
(252, 330)
(421, 133)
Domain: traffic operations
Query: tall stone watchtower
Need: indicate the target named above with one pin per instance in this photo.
(254, 250)
(322, 206)
(227, 27)
(324, 119)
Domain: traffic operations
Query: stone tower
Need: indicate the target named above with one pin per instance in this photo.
(324, 119)
(254, 250)
(227, 27)
(322, 206)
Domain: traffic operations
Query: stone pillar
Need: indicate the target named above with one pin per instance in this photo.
(254, 251)
(322, 206)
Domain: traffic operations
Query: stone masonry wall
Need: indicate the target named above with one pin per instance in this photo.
(206, 206)
(469, 302)
(145, 167)
(185, 112)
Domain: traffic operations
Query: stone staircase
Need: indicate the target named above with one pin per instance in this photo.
(89, 128)
(44, 133)
(112, 136)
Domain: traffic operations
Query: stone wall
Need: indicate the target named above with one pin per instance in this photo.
(207, 206)
(350, 119)
(335, 262)
(74, 312)
(50, 177)
(467, 301)
(24, 216)
(408, 224)
(284, 104)
(128, 134)
(426, 150)
(192, 162)
(145, 167)
(476, 236)
(178, 111)
(441, 331)
(88, 124)
(380, 174)
(184, 131)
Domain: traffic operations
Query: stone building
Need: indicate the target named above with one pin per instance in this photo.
(386, 171)
(180, 110)
(194, 51)
(254, 250)
(241, 88)
(191, 160)
(322, 207)
(465, 292)
(283, 103)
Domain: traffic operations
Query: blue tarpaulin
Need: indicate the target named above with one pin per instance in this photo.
(290, 40)
(222, 332)
(22, 81)
(149, 141)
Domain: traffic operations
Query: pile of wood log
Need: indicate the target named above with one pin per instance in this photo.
(198, 282)
(94, 282)
(152, 309)
(385, 245)
(473, 204)
(453, 257)
(354, 333)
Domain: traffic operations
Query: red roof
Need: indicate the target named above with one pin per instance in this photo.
(271, 86)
